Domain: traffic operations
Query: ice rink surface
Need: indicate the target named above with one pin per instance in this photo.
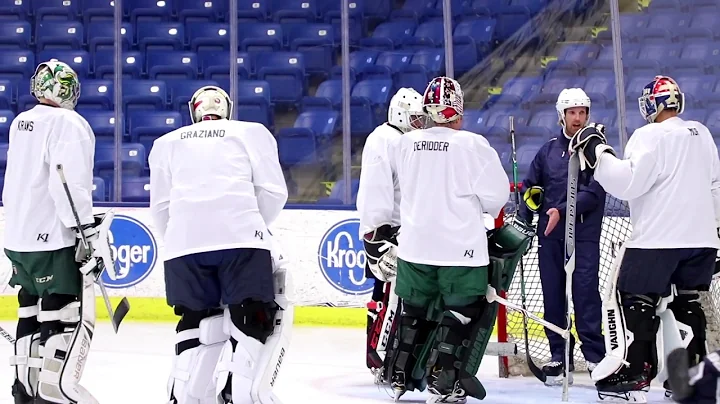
(324, 366)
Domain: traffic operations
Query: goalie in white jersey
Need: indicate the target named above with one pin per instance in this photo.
(449, 178)
(671, 167)
(54, 272)
(216, 186)
(378, 204)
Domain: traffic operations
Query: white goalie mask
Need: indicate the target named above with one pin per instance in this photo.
(210, 100)
(570, 98)
(443, 100)
(405, 111)
(57, 82)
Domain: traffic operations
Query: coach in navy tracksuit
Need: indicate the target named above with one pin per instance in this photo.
(549, 170)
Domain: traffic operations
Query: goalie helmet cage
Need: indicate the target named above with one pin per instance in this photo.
(616, 229)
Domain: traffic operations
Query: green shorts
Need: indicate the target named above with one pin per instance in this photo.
(421, 285)
(46, 272)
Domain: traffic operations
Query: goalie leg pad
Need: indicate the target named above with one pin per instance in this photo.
(66, 330)
(460, 342)
(200, 338)
(413, 332)
(259, 339)
(643, 324)
(26, 359)
(687, 310)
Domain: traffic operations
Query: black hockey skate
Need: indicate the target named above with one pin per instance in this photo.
(444, 388)
(621, 386)
(20, 395)
(554, 373)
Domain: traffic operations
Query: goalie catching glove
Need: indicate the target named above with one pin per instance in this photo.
(381, 250)
(96, 256)
(590, 142)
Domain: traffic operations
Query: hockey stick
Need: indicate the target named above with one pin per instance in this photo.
(123, 307)
(534, 369)
(571, 205)
(9, 338)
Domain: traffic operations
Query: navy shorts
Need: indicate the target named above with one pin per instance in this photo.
(652, 271)
(206, 280)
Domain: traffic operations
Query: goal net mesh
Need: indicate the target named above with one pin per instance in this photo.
(616, 229)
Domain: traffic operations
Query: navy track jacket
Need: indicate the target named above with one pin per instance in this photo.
(549, 170)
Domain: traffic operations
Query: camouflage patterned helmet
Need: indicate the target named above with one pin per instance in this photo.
(57, 82)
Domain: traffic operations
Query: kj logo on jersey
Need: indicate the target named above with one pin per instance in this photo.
(342, 258)
(135, 252)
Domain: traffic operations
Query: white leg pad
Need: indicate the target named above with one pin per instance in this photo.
(191, 378)
(27, 361)
(671, 335)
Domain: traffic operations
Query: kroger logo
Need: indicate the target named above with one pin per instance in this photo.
(135, 252)
(342, 258)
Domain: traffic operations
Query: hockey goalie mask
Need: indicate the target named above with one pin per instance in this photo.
(210, 100)
(660, 94)
(57, 82)
(443, 100)
(571, 98)
(405, 111)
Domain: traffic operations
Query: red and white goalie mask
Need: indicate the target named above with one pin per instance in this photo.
(210, 101)
(443, 100)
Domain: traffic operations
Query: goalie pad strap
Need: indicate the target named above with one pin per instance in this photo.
(28, 311)
(68, 314)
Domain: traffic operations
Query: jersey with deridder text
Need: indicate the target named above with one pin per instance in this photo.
(215, 185)
(448, 179)
(38, 216)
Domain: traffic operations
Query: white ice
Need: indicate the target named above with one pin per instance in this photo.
(323, 366)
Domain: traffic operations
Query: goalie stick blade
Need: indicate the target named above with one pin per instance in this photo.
(678, 375)
(120, 312)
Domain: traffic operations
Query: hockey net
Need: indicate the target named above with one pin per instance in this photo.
(616, 229)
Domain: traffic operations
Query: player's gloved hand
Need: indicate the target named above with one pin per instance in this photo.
(96, 256)
(590, 142)
(381, 250)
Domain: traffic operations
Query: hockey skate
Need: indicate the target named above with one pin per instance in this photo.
(622, 388)
(554, 372)
(444, 388)
(397, 383)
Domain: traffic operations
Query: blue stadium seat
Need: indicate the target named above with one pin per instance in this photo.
(574, 58)
(315, 43)
(499, 121)
(253, 10)
(297, 147)
(260, 37)
(24, 99)
(630, 24)
(699, 55)
(149, 11)
(699, 6)
(337, 194)
(633, 121)
(552, 86)
(474, 120)
(7, 94)
(530, 7)
(487, 8)
(389, 35)
(136, 189)
(654, 58)
(356, 14)
(79, 60)
(133, 159)
(133, 64)
(432, 60)
(202, 10)
(216, 65)
(605, 116)
(474, 36)
(634, 86)
(703, 26)
(146, 126)
(14, 10)
(526, 154)
(543, 124)
(164, 65)
(699, 115)
(16, 64)
(3, 156)
(327, 96)
(665, 6)
(98, 11)
(368, 103)
(415, 10)
(97, 94)
(144, 94)
(517, 90)
(294, 11)
(181, 91)
(285, 72)
(55, 10)
(102, 124)
(663, 28)
(509, 22)
(359, 60)
(6, 118)
(323, 123)
(427, 35)
(601, 90)
(697, 88)
(15, 35)
(253, 102)
(152, 36)
(98, 193)
(379, 9)
(206, 36)
(459, 8)
(101, 36)
(387, 65)
(59, 35)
